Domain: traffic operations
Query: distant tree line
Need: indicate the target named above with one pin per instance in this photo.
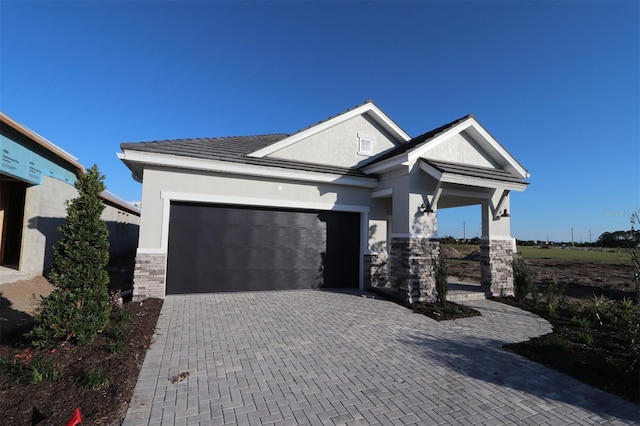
(617, 239)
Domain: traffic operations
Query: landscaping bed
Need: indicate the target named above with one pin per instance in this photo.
(443, 312)
(592, 342)
(45, 386)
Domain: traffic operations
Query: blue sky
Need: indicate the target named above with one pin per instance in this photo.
(557, 83)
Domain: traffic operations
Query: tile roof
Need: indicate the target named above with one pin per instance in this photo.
(475, 171)
(209, 148)
(415, 142)
(233, 149)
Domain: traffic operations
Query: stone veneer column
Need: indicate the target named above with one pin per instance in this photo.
(495, 266)
(148, 277)
(410, 268)
(375, 270)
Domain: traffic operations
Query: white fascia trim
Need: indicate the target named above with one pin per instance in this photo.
(169, 196)
(388, 164)
(245, 169)
(483, 183)
(471, 181)
(373, 110)
(382, 193)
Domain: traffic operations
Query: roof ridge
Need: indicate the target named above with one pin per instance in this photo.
(368, 101)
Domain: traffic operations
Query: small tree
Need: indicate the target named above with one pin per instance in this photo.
(79, 308)
(441, 276)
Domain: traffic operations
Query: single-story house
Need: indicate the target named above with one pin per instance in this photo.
(36, 180)
(349, 202)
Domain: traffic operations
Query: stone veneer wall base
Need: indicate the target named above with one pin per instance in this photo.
(495, 266)
(149, 276)
(375, 270)
(410, 268)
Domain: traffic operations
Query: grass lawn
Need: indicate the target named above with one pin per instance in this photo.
(578, 254)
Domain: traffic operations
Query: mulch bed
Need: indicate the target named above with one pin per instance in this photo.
(443, 312)
(54, 402)
(608, 362)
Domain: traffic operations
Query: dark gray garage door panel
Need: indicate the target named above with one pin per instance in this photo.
(214, 248)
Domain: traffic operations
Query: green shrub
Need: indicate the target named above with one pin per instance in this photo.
(535, 293)
(79, 308)
(441, 276)
(8, 365)
(117, 332)
(624, 312)
(553, 291)
(39, 371)
(34, 371)
(585, 337)
(580, 322)
(522, 278)
(95, 379)
(551, 308)
(558, 343)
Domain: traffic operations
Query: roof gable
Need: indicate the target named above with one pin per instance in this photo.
(462, 141)
(368, 110)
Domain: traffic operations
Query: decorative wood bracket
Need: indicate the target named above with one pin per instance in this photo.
(495, 209)
(432, 202)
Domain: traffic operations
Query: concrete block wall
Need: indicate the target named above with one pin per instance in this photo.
(496, 272)
(45, 210)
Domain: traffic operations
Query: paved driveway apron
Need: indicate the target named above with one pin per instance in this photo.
(312, 357)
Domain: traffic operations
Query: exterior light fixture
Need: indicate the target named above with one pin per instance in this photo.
(425, 209)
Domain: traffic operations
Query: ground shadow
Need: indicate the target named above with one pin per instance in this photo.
(12, 322)
(484, 359)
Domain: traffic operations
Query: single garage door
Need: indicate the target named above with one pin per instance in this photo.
(217, 248)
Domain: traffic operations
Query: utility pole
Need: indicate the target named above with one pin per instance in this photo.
(571, 236)
(464, 231)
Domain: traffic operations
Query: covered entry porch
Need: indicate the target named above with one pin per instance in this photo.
(451, 167)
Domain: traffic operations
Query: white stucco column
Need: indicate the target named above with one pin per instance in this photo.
(413, 245)
(496, 247)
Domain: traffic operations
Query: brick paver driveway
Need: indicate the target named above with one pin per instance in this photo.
(311, 357)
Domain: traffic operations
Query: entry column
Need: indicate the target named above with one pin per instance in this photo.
(414, 244)
(496, 246)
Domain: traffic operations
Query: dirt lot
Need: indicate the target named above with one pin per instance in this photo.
(582, 280)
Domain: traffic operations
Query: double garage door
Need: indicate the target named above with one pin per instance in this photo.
(219, 248)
